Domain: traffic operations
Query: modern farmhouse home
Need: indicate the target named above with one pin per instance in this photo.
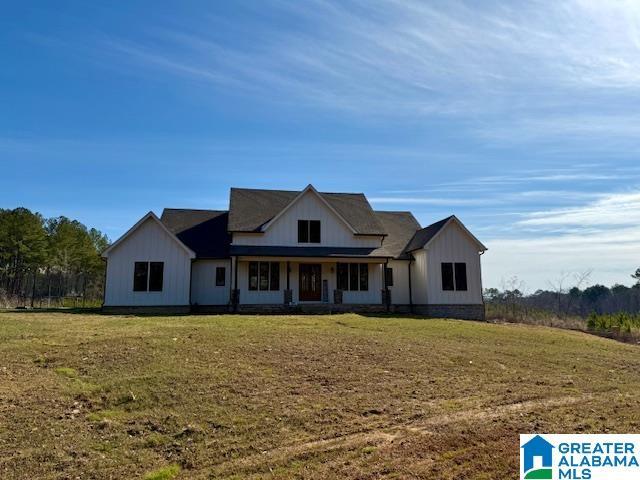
(284, 251)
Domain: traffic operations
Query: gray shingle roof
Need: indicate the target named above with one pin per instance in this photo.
(206, 232)
(203, 231)
(400, 227)
(422, 237)
(250, 209)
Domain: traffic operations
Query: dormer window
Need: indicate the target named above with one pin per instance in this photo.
(308, 231)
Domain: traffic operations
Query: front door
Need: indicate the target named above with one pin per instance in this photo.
(310, 282)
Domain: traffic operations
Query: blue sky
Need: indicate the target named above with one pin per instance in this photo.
(520, 118)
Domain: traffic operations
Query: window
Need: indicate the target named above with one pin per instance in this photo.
(156, 273)
(264, 275)
(454, 276)
(353, 276)
(364, 276)
(274, 278)
(140, 277)
(461, 276)
(148, 276)
(343, 276)
(314, 231)
(308, 231)
(447, 276)
(221, 274)
(253, 275)
(388, 275)
(303, 231)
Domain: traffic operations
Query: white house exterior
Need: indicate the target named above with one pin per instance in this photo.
(287, 251)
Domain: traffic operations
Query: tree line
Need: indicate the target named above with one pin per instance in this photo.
(44, 260)
(567, 296)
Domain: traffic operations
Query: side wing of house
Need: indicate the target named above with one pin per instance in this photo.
(148, 267)
(210, 282)
(205, 233)
(447, 270)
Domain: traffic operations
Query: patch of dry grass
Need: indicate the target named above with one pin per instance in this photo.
(345, 396)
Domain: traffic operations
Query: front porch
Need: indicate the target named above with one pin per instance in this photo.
(308, 284)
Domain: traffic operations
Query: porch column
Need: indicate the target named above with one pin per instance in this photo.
(235, 294)
(337, 293)
(386, 293)
(288, 293)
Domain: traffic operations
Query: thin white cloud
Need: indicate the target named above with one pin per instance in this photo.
(410, 56)
(433, 201)
(615, 209)
(612, 255)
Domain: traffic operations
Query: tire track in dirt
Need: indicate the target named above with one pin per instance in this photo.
(384, 435)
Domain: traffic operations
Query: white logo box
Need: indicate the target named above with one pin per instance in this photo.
(583, 456)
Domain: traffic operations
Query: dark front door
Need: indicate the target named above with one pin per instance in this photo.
(310, 282)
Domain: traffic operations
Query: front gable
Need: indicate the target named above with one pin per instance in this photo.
(148, 227)
(309, 205)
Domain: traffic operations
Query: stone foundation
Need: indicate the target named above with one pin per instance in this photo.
(462, 312)
(148, 310)
(212, 309)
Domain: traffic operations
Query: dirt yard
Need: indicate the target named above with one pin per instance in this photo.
(321, 397)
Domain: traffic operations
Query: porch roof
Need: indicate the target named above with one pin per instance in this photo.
(276, 251)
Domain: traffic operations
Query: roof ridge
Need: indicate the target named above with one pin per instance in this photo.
(295, 191)
(446, 219)
(393, 211)
(193, 209)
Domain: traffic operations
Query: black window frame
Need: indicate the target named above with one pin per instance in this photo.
(303, 231)
(460, 275)
(447, 277)
(315, 235)
(309, 231)
(363, 277)
(274, 276)
(140, 276)
(156, 276)
(264, 276)
(221, 276)
(352, 277)
(253, 276)
(263, 279)
(342, 276)
(148, 276)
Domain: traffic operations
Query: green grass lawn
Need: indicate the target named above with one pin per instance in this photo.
(344, 396)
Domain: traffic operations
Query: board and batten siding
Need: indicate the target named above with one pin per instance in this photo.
(284, 231)
(400, 289)
(453, 244)
(148, 243)
(203, 283)
(419, 277)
